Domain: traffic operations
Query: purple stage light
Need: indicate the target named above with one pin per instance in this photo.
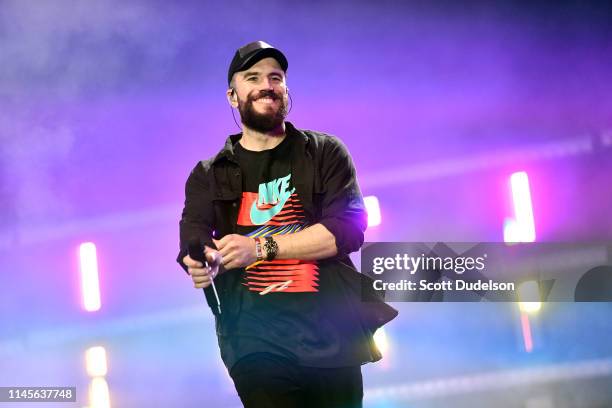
(521, 228)
(90, 283)
(373, 209)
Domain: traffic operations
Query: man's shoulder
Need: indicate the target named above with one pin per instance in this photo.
(321, 140)
(201, 170)
(204, 165)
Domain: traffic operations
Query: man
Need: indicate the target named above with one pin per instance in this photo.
(277, 211)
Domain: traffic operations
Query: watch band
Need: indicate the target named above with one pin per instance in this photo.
(271, 248)
(258, 249)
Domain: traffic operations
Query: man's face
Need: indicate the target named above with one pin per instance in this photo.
(261, 95)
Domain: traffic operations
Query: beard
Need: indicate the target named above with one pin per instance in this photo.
(262, 122)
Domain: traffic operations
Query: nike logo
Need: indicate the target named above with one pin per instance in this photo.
(276, 191)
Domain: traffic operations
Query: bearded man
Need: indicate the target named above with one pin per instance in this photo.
(276, 214)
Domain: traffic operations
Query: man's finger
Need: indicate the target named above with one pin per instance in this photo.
(198, 271)
(191, 263)
(223, 241)
(201, 285)
(218, 243)
(228, 259)
(200, 279)
(225, 251)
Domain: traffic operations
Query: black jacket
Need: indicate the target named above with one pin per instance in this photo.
(324, 177)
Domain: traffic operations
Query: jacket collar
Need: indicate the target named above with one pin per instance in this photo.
(227, 152)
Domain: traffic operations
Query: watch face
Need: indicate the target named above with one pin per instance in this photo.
(271, 248)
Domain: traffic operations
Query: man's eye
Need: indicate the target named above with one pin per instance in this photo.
(251, 79)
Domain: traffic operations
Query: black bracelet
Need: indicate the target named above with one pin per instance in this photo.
(271, 248)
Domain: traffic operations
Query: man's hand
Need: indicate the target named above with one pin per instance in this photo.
(237, 251)
(202, 276)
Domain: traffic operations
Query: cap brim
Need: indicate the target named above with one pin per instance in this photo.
(260, 54)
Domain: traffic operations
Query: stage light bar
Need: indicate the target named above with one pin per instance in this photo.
(380, 338)
(526, 329)
(90, 284)
(99, 395)
(529, 290)
(522, 227)
(95, 358)
(530, 307)
(373, 210)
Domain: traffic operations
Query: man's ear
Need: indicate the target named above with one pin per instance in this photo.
(232, 97)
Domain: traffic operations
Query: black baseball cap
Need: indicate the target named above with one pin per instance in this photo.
(248, 55)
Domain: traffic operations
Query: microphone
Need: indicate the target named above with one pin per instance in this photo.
(196, 252)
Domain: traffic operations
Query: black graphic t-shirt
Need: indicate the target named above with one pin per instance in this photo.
(280, 310)
(270, 206)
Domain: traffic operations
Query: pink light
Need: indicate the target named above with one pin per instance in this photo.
(526, 328)
(90, 284)
(521, 228)
(373, 209)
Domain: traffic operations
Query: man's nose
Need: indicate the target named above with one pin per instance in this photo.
(267, 83)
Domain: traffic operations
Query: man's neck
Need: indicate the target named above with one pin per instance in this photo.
(258, 141)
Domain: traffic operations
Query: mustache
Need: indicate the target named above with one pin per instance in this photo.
(265, 93)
